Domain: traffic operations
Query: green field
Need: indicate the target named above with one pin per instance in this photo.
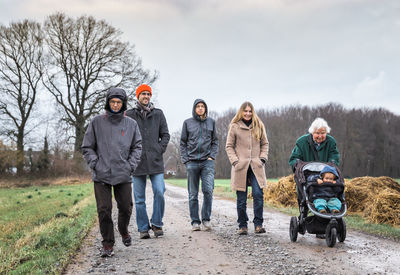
(41, 227)
(222, 189)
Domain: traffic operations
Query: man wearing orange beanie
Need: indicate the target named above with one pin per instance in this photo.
(155, 138)
(142, 88)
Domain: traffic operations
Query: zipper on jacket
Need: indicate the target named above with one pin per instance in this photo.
(201, 134)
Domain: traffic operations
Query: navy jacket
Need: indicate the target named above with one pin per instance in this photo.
(322, 191)
(199, 139)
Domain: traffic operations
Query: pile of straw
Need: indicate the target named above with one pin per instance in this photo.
(282, 193)
(375, 198)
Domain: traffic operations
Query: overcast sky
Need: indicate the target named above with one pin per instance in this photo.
(273, 53)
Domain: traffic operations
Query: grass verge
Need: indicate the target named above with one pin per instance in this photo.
(222, 189)
(42, 227)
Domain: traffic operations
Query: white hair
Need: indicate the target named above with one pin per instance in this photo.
(319, 123)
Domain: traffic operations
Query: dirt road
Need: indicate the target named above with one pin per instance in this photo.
(222, 251)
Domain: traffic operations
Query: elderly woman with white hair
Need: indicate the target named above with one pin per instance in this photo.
(316, 146)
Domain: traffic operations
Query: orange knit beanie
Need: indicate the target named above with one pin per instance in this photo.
(143, 88)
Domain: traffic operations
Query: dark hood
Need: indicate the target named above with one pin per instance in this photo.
(329, 169)
(118, 93)
(195, 116)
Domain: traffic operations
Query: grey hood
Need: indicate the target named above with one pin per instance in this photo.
(118, 93)
(195, 116)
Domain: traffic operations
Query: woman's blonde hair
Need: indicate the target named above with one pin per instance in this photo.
(257, 124)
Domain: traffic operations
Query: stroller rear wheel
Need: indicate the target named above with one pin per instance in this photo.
(331, 236)
(294, 229)
(341, 236)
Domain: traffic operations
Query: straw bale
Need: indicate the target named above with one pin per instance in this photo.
(282, 193)
(385, 208)
(357, 196)
(361, 192)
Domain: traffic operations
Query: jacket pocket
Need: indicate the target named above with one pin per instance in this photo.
(124, 153)
(127, 168)
(240, 165)
(258, 163)
(101, 169)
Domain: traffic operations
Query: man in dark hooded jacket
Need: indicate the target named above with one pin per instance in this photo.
(112, 147)
(199, 148)
(154, 130)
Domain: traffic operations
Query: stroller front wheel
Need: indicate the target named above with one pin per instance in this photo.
(294, 229)
(331, 236)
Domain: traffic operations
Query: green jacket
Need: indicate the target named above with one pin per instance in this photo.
(327, 151)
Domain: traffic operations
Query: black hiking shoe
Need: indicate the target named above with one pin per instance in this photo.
(127, 240)
(157, 231)
(107, 251)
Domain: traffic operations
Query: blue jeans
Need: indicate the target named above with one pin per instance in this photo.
(332, 203)
(258, 202)
(139, 191)
(204, 170)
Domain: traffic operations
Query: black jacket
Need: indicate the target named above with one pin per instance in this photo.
(199, 139)
(155, 138)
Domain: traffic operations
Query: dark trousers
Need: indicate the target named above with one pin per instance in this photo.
(123, 196)
(258, 202)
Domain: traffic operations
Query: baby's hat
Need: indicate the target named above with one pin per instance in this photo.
(329, 169)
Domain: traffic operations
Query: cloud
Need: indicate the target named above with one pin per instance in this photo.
(370, 88)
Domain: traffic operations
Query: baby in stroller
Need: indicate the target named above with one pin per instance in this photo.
(325, 196)
(322, 205)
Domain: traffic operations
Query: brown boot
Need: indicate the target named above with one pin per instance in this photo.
(259, 229)
(243, 231)
(157, 231)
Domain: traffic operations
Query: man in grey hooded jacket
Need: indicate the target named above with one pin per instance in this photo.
(199, 148)
(112, 147)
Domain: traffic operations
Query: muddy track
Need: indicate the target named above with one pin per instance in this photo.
(221, 251)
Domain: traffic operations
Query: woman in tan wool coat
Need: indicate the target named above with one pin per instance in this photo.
(247, 149)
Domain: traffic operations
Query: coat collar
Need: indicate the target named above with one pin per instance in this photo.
(242, 125)
(138, 111)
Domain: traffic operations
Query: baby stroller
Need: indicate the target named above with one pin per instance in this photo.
(330, 224)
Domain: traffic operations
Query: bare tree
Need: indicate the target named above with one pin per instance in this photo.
(87, 57)
(21, 50)
(172, 156)
(222, 164)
